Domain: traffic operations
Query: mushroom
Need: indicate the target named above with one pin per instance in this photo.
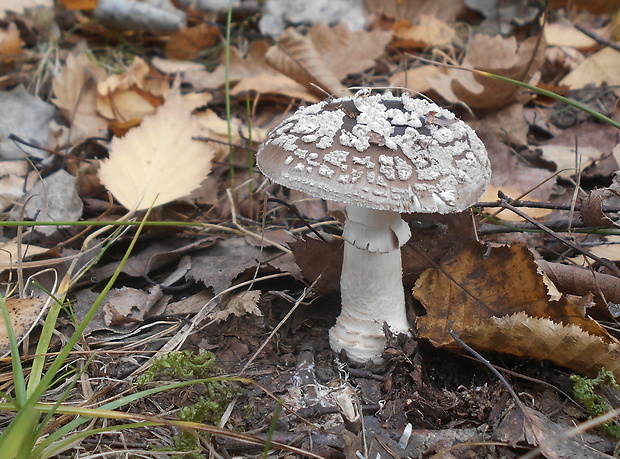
(380, 155)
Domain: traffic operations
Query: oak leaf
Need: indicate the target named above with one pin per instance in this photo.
(496, 55)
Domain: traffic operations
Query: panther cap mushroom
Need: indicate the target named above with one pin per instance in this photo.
(380, 155)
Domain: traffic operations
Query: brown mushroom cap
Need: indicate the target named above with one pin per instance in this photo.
(379, 151)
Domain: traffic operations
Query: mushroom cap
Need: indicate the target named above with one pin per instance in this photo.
(379, 151)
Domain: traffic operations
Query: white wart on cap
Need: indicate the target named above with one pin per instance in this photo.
(381, 155)
(381, 152)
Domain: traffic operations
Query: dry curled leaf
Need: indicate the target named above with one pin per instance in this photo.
(158, 161)
(543, 339)
(125, 98)
(592, 207)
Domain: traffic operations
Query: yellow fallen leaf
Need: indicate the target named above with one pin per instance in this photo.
(158, 161)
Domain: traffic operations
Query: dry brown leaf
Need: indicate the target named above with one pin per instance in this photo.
(591, 209)
(187, 43)
(75, 94)
(602, 66)
(24, 314)
(249, 73)
(506, 124)
(10, 42)
(514, 175)
(296, 57)
(346, 52)
(240, 304)
(581, 281)
(444, 10)
(415, 78)
(479, 283)
(128, 97)
(429, 32)
(158, 161)
(86, 5)
(566, 345)
(496, 55)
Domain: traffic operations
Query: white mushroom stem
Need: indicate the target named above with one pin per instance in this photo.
(371, 284)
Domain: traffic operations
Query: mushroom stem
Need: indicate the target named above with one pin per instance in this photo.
(371, 284)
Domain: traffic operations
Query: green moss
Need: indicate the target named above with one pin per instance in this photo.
(215, 395)
(181, 365)
(585, 392)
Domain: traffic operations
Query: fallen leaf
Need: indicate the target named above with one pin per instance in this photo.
(158, 161)
(126, 307)
(27, 117)
(75, 94)
(240, 304)
(219, 265)
(187, 43)
(524, 424)
(478, 283)
(11, 45)
(346, 52)
(428, 32)
(52, 199)
(568, 160)
(296, 57)
(248, 73)
(130, 96)
(24, 314)
(498, 55)
(591, 210)
(602, 66)
(577, 280)
(8, 253)
(154, 256)
(566, 35)
(566, 345)
(444, 10)
(415, 78)
(506, 124)
(85, 5)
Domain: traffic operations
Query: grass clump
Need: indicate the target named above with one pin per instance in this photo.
(585, 391)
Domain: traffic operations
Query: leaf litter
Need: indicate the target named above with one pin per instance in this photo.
(249, 281)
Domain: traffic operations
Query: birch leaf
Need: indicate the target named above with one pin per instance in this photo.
(158, 161)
